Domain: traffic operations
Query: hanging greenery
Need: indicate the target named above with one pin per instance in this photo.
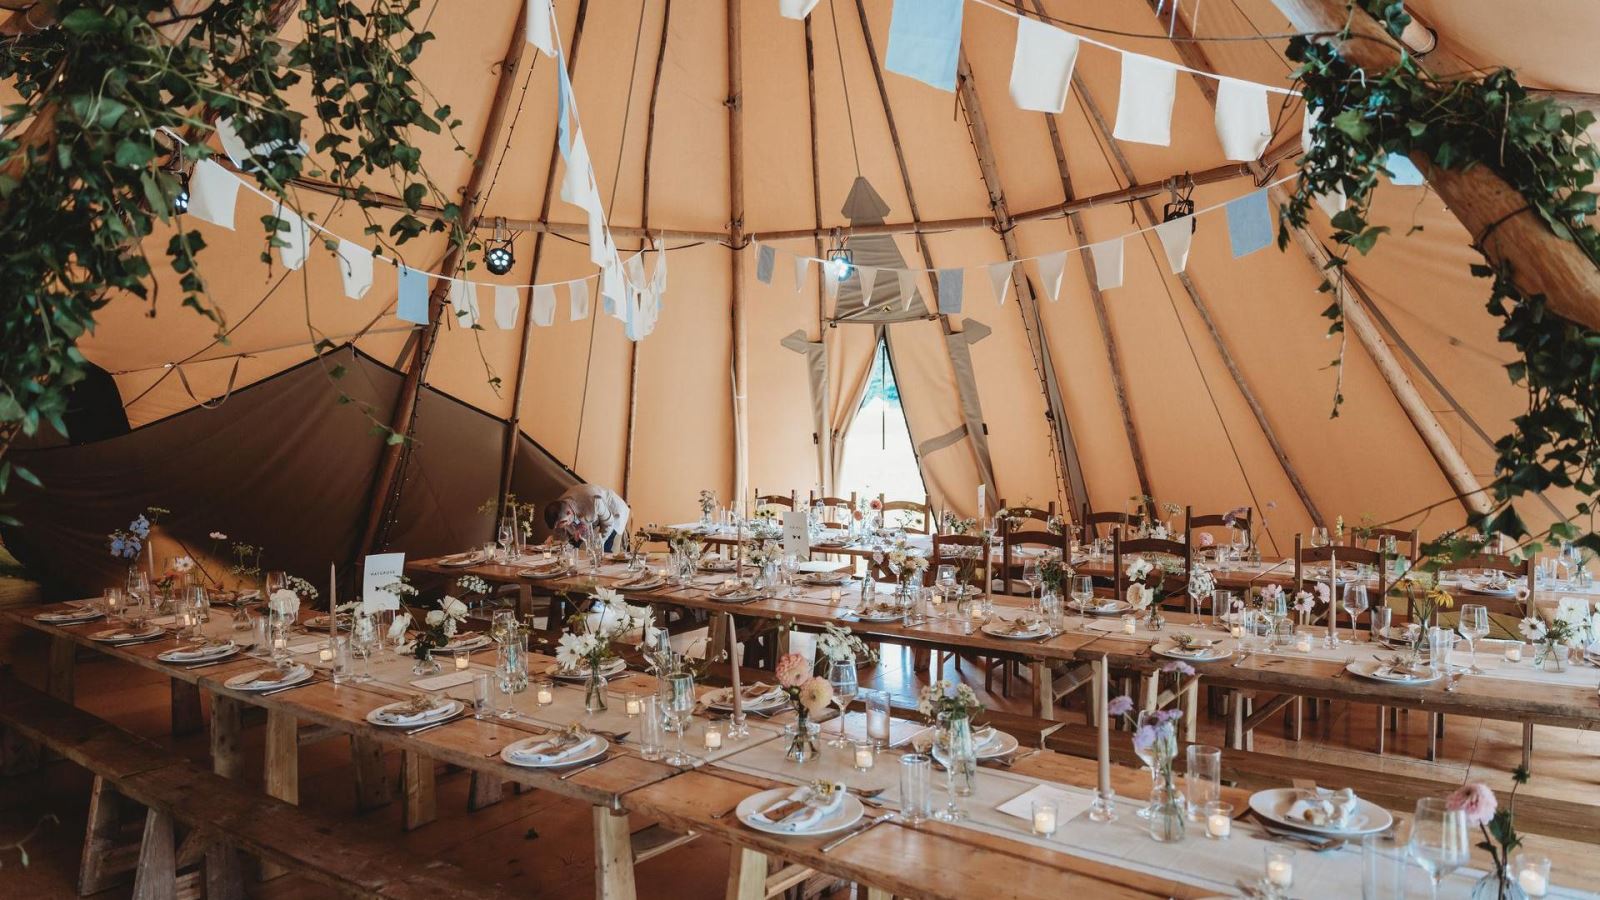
(118, 100)
(1362, 119)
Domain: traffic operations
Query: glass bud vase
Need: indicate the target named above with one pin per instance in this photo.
(1552, 657)
(511, 662)
(594, 691)
(425, 663)
(1498, 885)
(278, 626)
(961, 752)
(1167, 819)
(802, 737)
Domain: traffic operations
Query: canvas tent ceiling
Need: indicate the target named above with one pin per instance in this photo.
(1199, 440)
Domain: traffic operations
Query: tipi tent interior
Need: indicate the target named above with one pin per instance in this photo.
(797, 222)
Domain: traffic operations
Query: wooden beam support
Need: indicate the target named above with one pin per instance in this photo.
(1444, 451)
(741, 362)
(1494, 212)
(644, 223)
(824, 435)
(1069, 468)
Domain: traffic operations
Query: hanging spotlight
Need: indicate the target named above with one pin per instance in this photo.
(498, 258)
(840, 260)
(1180, 206)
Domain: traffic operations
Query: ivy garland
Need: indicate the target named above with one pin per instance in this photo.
(1360, 119)
(92, 168)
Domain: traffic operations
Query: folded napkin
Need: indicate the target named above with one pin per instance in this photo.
(756, 693)
(1188, 643)
(125, 635)
(266, 678)
(805, 806)
(70, 615)
(1020, 625)
(198, 651)
(471, 556)
(418, 710)
(554, 749)
(1395, 667)
(1324, 808)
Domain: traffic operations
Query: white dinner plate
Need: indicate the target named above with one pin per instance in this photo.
(68, 617)
(722, 699)
(642, 584)
(1003, 745)
(464, 560)
(849, 812)
(601, 746)
(877, 614)
(1001, 629)
(450, 708)
(817, 565)
(1273, 805)
(242, 681)
(221, 651)
(736, 595)
(1210, 654)
(717, 565)
(543, 573)
(824, 579)
(608, 668)
(124, 636)
(1367, 668)
(1487, 591)
(1114, 608)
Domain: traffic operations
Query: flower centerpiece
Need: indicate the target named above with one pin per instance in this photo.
(765, 556)
(1155, 740)
(1306, 602)
(439, 625)
(305, 590)
(1202, 584)
(1499, 828)
(1054, 572)
(1421, 591)
(128, 543)
(839, 644)
(810, 695)
(952, 707)
(1552, 640)
(708, 507)
(903, 561)
(587, 645)
(686, 550)
(1144, 582)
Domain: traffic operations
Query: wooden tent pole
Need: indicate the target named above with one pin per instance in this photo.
(981, 458)
(644, 223)
(824, 436)
(1070, 468)
(1495, 213)
(508, 455)
(385, 485)
(1444, 451)
(741, 363)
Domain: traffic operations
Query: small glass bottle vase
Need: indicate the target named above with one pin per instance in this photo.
(802, 736)
(425, 664)
(1167, 819)
(955, 738)
(1551, 656)
(1498, 885)
(511, 663)
(594, 691)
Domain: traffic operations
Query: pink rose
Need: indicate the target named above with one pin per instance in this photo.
(793, 670)
(816, 694)
(1476, 800)
(1206, 540)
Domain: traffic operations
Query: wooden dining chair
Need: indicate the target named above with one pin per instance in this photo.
(1335, 554)
(785, 500)
(1012, 538)
(1494, 562)
(834, 509)
(1408, 543)
(1224, 520)
(916, 518)
(1182, 550)
(1091, 522)
(1019, 515)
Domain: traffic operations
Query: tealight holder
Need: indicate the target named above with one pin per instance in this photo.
(1219, 820)
(865, 756)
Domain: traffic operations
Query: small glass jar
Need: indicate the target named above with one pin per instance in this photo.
(1218, 816)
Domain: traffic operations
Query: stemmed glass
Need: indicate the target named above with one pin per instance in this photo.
(1355, 603)
(1083, 594)
(138, 597)
(946, 581)
(842, 675)
(274, 581)
(1474, 626)
(116, 601)
(506, 537)
(1030, 577)
(1319, 537)
(1440, 840)
(680, 702)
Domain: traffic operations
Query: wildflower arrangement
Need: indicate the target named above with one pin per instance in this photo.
(708, 503)
(588, 643)
(1053, 573)
(810, 694)
(1499, 828)
(837, 644)
(942, 698)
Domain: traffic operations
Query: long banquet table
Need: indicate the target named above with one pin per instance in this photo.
(991, 854)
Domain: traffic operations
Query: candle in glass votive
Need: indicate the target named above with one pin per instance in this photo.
(325, 654)
(1302, 643)
(1130, 625)
(713, 740)
(1533, 874)
(544, 696)
(1280, 867)
(1514, 653)
(1236, 630)
(1044, 818)
(865, 757)
(833, 596)
(1219, 819)
(463, 659)
(633, 706)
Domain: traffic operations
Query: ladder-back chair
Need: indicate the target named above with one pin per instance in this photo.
(1238, 517)
(915, 518)
(1174, 584)
(1011, 539)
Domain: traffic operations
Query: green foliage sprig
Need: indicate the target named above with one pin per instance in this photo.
(1540, 148)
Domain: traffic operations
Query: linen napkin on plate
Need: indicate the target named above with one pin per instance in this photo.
(266, 678)
(198, 651)
(417, 710)
(756, 693)
(1395, 667)
(805, 806)
(126, 635)
(555, 748)
(1324, 808)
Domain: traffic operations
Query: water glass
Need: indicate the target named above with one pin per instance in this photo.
(878, 719)
(483, 696)
(652, 737)
(259, 635)
(1440, 640)
(1383, 869)
(1382, 621)
(681, 700)
(343, 661)
(1202, 778)
(916, 787)
(115, 602)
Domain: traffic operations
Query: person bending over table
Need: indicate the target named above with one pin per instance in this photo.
(592, 504)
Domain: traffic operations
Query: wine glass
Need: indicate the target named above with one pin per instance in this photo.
(842, 675)
(1571, 560)
(946, 580)
(275, 581)
(506, 537)
(116, 601)
(1440, 841)
(1030, 576)
(680, 701)
(1083, 595)
(1319, 537)
(1355, 603)
(1473, 625)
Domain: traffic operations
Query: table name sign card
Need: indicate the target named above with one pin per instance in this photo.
(796, 535)
(378, 572)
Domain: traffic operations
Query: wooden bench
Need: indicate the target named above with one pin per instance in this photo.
(1259, 771)
(219, 819)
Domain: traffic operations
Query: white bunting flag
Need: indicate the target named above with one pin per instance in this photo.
(578, 299)
(800, 272)
(541, 26)
(355, 268)
(296, 240)
(908, 287)
(1000, 280)
(658, 277)
(1144, 103)
(507, 303)
(1107, 257)
(1243, 123)
(765, 257)
(213, 191)
(830, 279)
(1332, 203)
(543, 308)
(952, 285)
(232, 143)
(464, 297)
(577, 182)
(869, 280)
(634, 267)
(796, 9)
(1050, 268)
(1175, 238)
(1307, 123)
(613, 289)
(1041, 70)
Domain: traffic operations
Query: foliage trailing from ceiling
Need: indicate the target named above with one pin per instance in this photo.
(1540, 149)
(91, 168)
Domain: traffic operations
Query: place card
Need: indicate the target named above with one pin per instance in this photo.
(1068, 803)
(379, 571)
(307, 645)
(440, 682)
(796, 535)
